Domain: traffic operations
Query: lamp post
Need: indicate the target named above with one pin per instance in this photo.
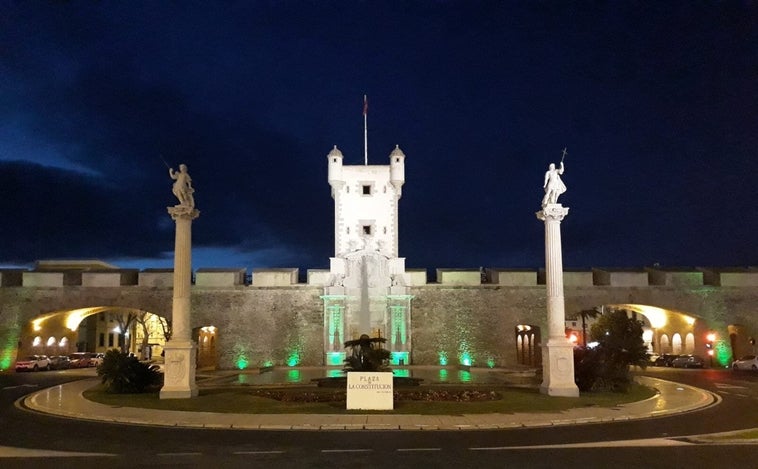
(711, 337)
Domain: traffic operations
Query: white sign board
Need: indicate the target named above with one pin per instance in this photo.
(366, 390)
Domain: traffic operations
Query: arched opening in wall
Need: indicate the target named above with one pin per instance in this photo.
(528, 350)
(95, 330)
(689, 343)
(207, 338)
(664, 329)
(676, 344)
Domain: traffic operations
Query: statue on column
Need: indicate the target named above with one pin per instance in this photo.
(553, 184)
(183, 189)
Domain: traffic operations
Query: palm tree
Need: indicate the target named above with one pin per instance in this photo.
(365, 356)
(587, 314)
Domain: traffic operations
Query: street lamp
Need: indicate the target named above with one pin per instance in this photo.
(711, 338)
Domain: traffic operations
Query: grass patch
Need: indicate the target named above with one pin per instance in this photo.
(247, 400)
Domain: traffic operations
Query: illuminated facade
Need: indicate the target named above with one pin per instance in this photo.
(367, 288)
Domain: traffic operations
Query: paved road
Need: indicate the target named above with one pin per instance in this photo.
(135, 446)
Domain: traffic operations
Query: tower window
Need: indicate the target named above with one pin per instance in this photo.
(397, 160)
(367, 229)
(366, 190)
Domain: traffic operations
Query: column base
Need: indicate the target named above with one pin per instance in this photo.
(558, 369)
(179, 374)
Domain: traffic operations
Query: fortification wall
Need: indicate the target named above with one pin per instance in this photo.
(268, 325)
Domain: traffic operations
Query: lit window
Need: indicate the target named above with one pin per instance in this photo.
(37, 341)
(63, 342)
(51, 341)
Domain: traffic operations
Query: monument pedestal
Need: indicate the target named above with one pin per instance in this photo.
(558, 369)
(558, 353)
(179, 372)
(181, 351)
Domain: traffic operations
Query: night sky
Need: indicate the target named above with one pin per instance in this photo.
(657, 103)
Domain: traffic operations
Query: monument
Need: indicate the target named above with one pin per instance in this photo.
(180, 350)
(558, 352)
(368, 287)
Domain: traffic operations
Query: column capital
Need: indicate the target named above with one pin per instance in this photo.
(183, 211)
(551, 212)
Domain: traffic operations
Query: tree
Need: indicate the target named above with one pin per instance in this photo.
(620, 345)
(124, 321)
(587, 314)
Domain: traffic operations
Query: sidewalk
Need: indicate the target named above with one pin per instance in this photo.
(66, 400)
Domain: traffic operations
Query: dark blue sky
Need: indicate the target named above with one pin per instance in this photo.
(656, 102)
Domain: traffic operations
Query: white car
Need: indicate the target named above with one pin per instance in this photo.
(96, 359)
(33, 363)
(748, 362)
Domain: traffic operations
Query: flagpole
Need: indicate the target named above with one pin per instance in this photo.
(365, 131)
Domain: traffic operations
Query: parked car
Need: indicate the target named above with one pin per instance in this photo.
(665, 359)
(652, 357)
(688, 361)
(60, 362)
(96, 359)
(748, 362)
(33, 363)
(80, 359)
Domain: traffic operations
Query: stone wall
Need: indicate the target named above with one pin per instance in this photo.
(270, 325)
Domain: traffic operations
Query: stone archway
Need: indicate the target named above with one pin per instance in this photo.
(207, 340)
(89, 329)
(528, 351)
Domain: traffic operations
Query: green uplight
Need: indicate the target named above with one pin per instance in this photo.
(723, 353)
(242, 363)
(396, 357)
(402, 373)
(465, 359)
(443, 358)
(268, 363)
(335, 358)
(293, 359)
(491, 362)
(8, 349)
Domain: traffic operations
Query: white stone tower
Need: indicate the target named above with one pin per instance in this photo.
(368, 288)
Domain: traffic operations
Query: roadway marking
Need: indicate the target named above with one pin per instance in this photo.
(22, 386)
(12, 452)
(419, 449)
(597, 444)
(346, 450)
(258, 452)
(729, 386)
(179, 454)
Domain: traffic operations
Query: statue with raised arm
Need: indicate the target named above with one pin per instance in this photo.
(553, 184)
(183, 189)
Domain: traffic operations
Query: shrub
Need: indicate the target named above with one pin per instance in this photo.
(122, 373)
(620, 344)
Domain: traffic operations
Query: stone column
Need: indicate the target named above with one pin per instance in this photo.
(181, 351)
(558, 352)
